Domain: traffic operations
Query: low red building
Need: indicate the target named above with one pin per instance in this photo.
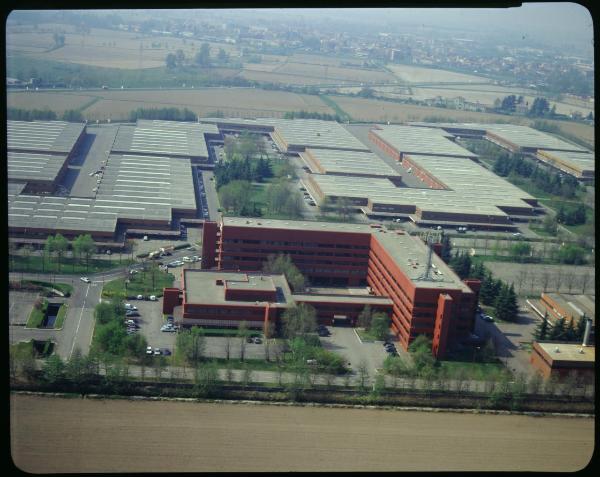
(426, 296)
(552, 358)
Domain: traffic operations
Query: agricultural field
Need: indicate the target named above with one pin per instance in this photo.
(280, 78)
(102, 47)
(361, 109)
(333, 73)
(56, 435)
(419, 74)
(57, 102)
(117, 104)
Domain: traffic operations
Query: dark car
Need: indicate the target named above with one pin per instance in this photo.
(166, 352)
(249, 339)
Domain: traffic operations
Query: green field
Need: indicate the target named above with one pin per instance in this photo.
(69, 265)
(139, 284)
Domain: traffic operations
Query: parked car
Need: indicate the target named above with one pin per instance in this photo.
(152, 298)
(249, 339)
(149, 350)
(157, 352)
(145, 238)
(129, 306)
(257, 340)
(487, 318)
(140, 297)
(166, 352)
(132, 313)
(85, 279)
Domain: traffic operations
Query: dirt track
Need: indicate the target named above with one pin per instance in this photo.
(75, 435)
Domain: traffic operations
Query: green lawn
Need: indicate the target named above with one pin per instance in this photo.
(60, 317)
(472, 370)
(366, 335)
(62, 287)
(139, 284)
(36, 317)
(35, 264)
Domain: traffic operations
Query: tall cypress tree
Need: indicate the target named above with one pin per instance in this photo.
(512, 304)
(541, 332)
(580, 329)
(557, 331)
(570, 332)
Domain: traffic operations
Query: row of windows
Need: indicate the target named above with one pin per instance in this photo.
(286, 243)
(222, 310)
(258, 251)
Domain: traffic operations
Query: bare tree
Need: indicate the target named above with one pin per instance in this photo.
(363, 374)
(521, 277)
(584, 280)
(545, 276)
(558, 276)
(227, 348)
(531, 282)
(570, 279)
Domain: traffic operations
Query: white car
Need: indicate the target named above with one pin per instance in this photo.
(157, 351)
(85, 279)
(186, 259)
(149, 350)
(129, 306)
(152, 298)
(140, 297)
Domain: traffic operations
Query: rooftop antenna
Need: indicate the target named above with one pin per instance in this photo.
(427, 273)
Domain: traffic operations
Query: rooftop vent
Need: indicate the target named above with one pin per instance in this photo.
(580, 350)
(556, 350)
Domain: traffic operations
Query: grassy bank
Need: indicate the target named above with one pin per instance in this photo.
(148, 283)
(69, 265)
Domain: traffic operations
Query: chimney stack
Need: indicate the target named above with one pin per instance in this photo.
(586, 334)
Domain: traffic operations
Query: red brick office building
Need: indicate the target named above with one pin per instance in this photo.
(424, 300)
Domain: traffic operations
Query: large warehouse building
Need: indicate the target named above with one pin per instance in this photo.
(145, 180)
(556, 152)
(428, 298)
(38, 152)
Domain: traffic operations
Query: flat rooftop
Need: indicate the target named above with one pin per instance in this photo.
(576, 304)
(168, 138)
(410, 253)
(296, 225)
(568, 352)
(416, 140)
(299, 133)
(583, 161)
(521, 136)
(53, 137)
(332, 161)
(471, 188)
(526, 137)
(201, 287)
(60, 213)
(33, 166)
(156, 183)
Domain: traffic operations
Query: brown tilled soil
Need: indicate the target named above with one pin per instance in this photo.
(83, 435)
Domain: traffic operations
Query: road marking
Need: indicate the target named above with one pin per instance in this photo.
(79, 322)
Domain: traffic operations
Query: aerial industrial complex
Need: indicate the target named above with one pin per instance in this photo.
(145, 178)
(426, 296)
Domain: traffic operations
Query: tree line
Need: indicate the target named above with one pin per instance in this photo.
(561, 329)
(18, 114)
(166, 114)
(311, 115)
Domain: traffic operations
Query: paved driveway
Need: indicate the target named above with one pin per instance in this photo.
(343, 340)
(509, 337)
(150, 321)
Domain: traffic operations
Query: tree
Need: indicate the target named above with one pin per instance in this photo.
(520, 249)
(243, 333)
(235, 195)
(558, 329)
(363, 374)
(60, 245)
(84, 245)
(171, 61)
(191, 344)
(299, 320)
(206, 379)
(541, 331)
(202, 57)
(539, 108)
(422, 356)
(53, 369)
(365, 317)
(446, 252)
(282, 264)
(343, 207)
(380, 325)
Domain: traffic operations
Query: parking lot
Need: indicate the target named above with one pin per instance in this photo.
(150, 321)
(343, 341)
(19, 306)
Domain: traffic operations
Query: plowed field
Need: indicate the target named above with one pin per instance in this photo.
(75, 435)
